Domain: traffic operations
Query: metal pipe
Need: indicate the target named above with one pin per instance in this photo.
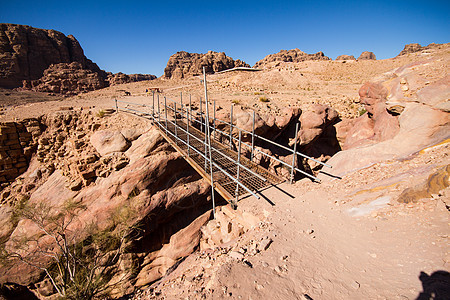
(165, 110)
(278, 145)
(253, 137)
(238, 163)
(294, 154)
(175, 113)
(201, 115)
(231, 127)
(159, 112)
(222, 154)
(207, 132)
(187, 129)
(153, 105)
(214, 119)
(220, 169)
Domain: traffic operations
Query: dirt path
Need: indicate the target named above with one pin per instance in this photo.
(335, 240)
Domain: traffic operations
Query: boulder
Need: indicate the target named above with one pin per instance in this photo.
(367, 55)
(183, 64)
(294, 55)
(144, 145)
(106, 142)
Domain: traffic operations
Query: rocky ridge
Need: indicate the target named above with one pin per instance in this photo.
(416, 47)
(293, 55)
(183, 64)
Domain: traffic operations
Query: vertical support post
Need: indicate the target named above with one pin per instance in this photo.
(236, 193)
(231, 127)
(253, 138)
(181, 100)
(294, 154)
(175, 117)
(190, 102)
(207, 133)
(214, 119)
(165, 111)
(201, 115)
(117, 107)
(153, 107)
(187, 130)
(159, 113)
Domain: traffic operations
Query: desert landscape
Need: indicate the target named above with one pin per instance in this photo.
(96, 204)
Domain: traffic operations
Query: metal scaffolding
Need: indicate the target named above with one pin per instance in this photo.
(196, 137)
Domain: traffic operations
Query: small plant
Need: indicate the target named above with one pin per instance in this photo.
(264, 99)
(235, 101)
(258, 93)
(362, 111)
(101, 113)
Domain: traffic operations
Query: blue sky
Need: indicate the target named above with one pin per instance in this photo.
(140, 36)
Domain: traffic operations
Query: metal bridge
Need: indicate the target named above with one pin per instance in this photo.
(198, 139)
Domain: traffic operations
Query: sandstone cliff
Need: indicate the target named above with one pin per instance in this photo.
(183, 64)
(293, 55)
(47, 60)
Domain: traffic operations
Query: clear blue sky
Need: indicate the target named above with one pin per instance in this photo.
(140, 36)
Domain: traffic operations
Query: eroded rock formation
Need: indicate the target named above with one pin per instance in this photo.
(415, 47)
(48, 61)
(367, 55)
(345, 57)
(183, 64)
(293, 55)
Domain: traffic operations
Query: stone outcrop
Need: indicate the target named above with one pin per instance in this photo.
(18, 140)
(120, 78)
(293, 55)
(405, 114)
(345, 57)
(67, 79)
(183, 64)
(166, 198)
(49, 61)
(367, 55)
(415, 47)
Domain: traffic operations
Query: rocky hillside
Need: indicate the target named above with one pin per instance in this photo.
(41, 59)
(294, 55)
(183, 64)
(412, 48)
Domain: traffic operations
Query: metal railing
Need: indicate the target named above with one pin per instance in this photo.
(178, 121)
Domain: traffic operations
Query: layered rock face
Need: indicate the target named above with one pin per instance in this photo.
(415, 47)
(294, 55)
(119, 78)
(48, 61)
(26, 52)
(367, 55)
(183, 64)
(345, 57)
(68, 79)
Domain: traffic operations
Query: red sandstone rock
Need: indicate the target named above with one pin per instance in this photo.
(294, 55)
(367, 55)
(183, 64)
(106, 142)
